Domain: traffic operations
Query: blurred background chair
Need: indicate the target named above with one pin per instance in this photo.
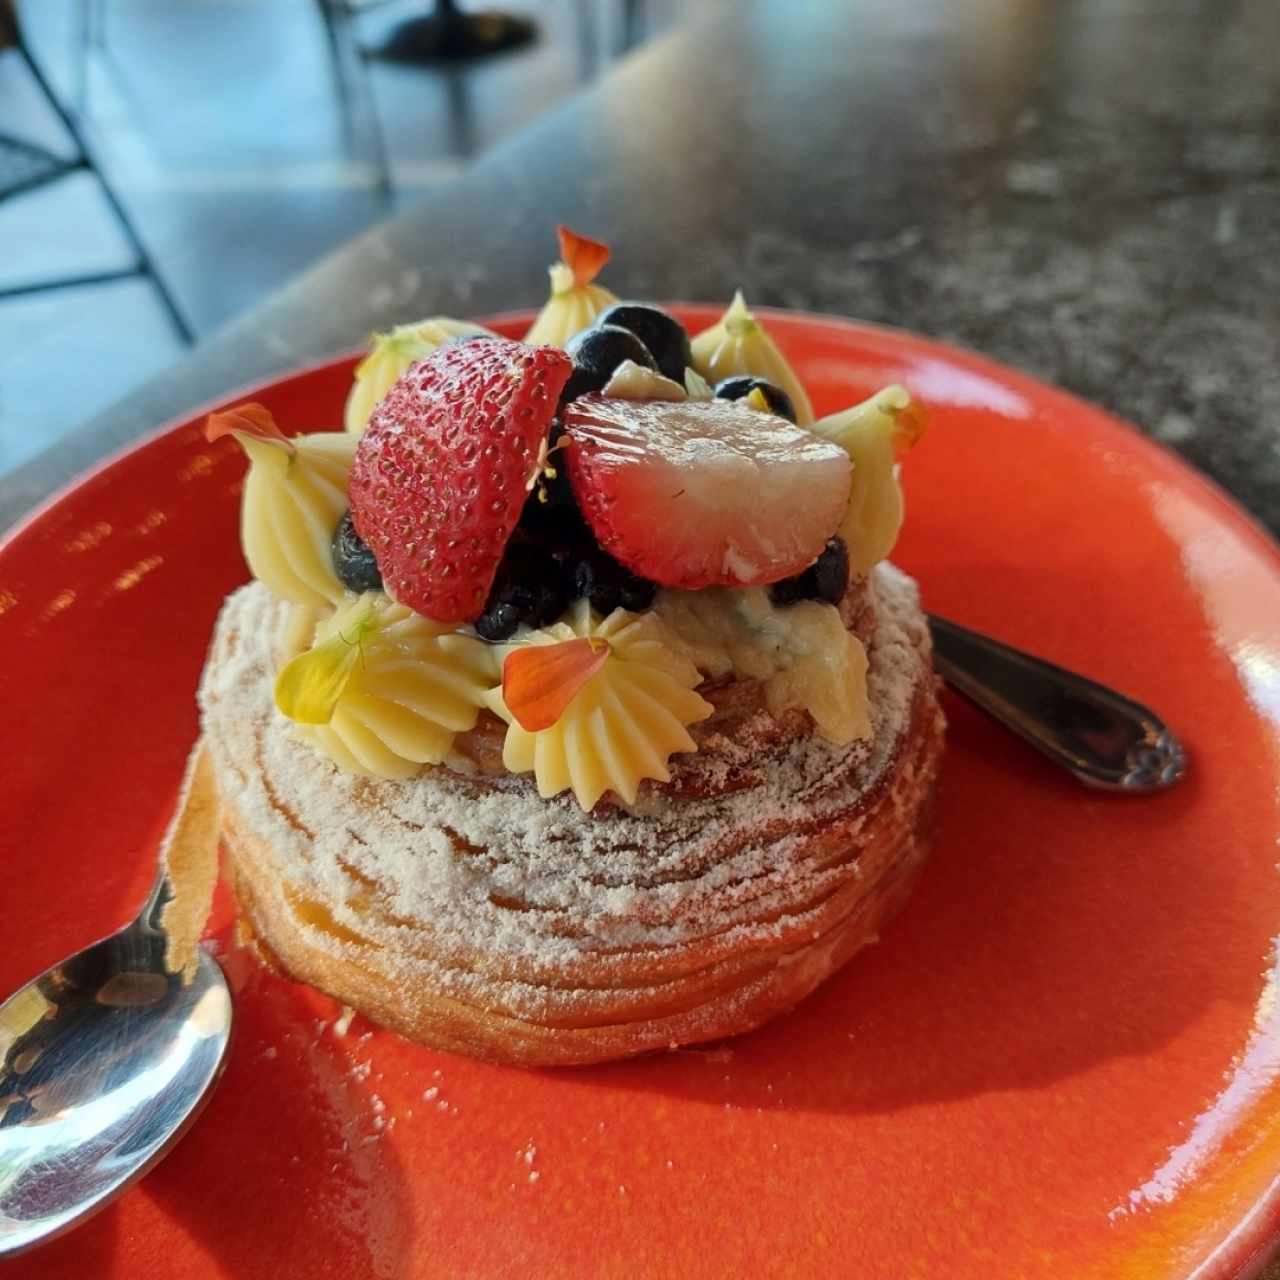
(447, 34)
(165, 166)
(362, 125)
(25, 165)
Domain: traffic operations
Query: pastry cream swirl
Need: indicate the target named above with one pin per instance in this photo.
(802, 653)
(873, 433)
(575, 299)
(570, 308)
(623, 724)
(294, 496)
(739, 344)
(397, 696)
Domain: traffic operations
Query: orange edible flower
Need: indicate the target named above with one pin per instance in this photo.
(540, 680)
(582, 255)
(909, 424)
(245, 419)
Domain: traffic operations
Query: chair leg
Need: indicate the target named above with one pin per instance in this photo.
(633, 23)
(377, 138)
(338, 65)
(143, 265)
(355, 91)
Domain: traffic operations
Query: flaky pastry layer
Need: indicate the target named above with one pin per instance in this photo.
(464, 911)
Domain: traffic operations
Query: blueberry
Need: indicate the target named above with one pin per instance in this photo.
(826, 578)
(663, 334)
(498, 621)
(608, 584)
(353, 562)
(596, 353)
(736, 388)
(531, 587)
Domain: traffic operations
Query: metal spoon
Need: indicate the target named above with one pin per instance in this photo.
(105, 1059)
(1103, 738)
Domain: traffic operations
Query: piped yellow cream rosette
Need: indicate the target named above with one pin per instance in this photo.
(294, 497)
(801, 653)
(390, 357)
(739, 344)
(383, 691)
(595, 705)
(575, 299)
(874, 434)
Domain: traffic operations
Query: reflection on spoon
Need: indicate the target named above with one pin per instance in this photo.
(106, 1058)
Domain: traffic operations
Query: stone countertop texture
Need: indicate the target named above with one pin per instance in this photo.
(1089, 192)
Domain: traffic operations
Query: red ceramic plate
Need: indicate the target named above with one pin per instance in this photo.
(1060, 1061)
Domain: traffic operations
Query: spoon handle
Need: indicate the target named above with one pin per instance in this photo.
(151, 917)
(1103, 738)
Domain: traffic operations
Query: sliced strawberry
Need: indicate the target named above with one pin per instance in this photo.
(704, 493)
(444, 467)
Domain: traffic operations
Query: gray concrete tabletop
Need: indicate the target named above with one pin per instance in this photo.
(1088, 192)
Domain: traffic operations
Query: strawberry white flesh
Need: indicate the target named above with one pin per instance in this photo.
(704, 493)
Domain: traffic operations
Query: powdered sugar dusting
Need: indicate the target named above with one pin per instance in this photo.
(453, 859)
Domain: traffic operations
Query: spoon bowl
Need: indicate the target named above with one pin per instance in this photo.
(105, 1060)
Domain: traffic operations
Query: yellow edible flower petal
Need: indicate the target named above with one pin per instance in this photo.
(310, 686)
(384, 691)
